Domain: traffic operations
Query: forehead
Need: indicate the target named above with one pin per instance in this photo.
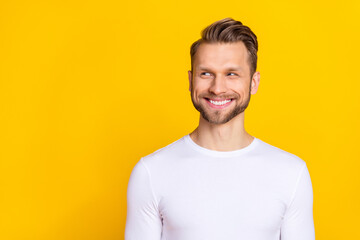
(217, 55)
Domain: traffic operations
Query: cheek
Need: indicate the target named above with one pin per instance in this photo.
(238, 86)
(241, 88)
(200, 86)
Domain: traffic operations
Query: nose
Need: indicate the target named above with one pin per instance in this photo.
(218, 85)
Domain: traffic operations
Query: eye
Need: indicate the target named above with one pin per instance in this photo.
(232, 74)
(205, 74)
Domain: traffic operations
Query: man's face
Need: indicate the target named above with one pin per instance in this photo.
(220, 83)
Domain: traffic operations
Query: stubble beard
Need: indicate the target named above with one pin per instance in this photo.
(217, 117)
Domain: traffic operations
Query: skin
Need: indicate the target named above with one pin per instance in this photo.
(221, 71)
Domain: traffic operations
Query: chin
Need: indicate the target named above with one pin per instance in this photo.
(222, 118)
(218, 119)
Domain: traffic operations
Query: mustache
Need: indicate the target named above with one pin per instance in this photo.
(224, 96)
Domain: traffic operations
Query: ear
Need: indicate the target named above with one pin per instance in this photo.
(190, 79)
(255, 81)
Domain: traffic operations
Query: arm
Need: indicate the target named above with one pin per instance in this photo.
(298, 223)
(143, 221)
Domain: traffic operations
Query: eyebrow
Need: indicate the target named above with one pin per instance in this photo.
(201, 68)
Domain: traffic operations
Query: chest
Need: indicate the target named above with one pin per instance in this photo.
(234, 201)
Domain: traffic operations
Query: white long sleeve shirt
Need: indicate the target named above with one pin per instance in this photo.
(186, 192)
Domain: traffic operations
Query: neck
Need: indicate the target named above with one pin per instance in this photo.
(222, 137)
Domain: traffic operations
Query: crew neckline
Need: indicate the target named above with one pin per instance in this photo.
(214, 153)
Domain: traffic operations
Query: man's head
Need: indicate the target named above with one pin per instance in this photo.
(228, 30)
(223, 70)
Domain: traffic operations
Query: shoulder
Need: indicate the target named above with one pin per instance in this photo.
(281, 167)
(166, 153)
(278, 157)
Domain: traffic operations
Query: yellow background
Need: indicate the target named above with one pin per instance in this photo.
(89, 87)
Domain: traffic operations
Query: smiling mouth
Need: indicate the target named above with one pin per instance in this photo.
(219, 103)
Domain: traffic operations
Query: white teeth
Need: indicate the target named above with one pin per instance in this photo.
(218, 103)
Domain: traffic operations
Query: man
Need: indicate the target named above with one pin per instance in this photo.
(219, 182)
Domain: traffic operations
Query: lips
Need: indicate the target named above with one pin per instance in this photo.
(218, 103)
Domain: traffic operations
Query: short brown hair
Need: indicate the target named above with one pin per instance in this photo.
(228, 30)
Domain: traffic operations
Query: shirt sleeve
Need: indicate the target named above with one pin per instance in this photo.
(143, 221)
(298, 223)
